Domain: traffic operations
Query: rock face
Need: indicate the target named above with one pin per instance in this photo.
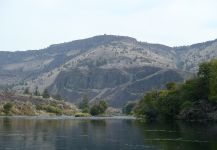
(115, 85)
(114, 68)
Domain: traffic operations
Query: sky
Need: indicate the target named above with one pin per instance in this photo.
(36, 24)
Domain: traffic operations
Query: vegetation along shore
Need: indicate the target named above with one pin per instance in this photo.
(193, 100)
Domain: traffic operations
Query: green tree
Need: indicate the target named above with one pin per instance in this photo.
(204, 77)
(46, 94)
(146, 107)
(57, 97)
(168, 104)
(84, 105)
(191, 90)
(171, 86)
(36, 91)
(26, 91)
(99, 108)
(213, 81)
(7, 108)
(204, 71)
(128, 108)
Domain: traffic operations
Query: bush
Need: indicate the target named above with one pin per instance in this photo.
(26, 91)
(82, 115)
(84, 105)
(168, 105)
(57, 97)
(146, 107)
(7, 108)
(36, 92)
(98, 108)
(53, 109)
(171, 86)
(186, 105)
(128, 108)
(46, 94)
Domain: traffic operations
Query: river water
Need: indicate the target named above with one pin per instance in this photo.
(33, 133)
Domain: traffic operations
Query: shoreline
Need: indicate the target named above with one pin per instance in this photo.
(71, 118)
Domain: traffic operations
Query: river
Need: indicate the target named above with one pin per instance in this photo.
(65, 133)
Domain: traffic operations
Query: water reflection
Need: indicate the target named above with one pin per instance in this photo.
(36, 134)
(179, 135)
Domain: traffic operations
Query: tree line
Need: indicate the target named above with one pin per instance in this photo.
(45, 93)
(95, 108)
(195, 99)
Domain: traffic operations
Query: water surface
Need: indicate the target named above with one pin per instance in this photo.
(30, 133)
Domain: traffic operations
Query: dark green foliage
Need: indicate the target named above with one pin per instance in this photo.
(26, 91)
(53, 109)
(36, 92)
(213, 81)
(84, 105)
(162, 104)
(195, 97)
(186, 105)
(82, 115)
(46, 94)
(98, 108)
(191, 90)
(7, 108)
(171, 86)
(128, 108)
(57, 97)
(168, 105)
(147, 106)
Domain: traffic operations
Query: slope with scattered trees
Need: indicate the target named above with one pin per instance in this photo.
(31, 105)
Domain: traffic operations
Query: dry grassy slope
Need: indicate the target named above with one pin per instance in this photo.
(35, 105)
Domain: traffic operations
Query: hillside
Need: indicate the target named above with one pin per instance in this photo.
(26, 105)
(115, 68)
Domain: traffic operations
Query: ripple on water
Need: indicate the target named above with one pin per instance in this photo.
(178, 139)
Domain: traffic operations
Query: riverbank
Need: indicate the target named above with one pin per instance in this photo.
(70, 117)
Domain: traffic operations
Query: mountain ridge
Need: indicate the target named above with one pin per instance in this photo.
(104, 67)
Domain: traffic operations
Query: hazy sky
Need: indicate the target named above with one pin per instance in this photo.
(35, 24)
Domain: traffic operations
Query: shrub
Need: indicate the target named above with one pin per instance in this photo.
(84, 105)
(53, 109)
(82, 115)
(26, 91)
(36, 92)
(186, 105)
(7, 108)
(171, 86)
(57, 97)
(46, 94)
(128, 108)
(98, 108)
(146, 107)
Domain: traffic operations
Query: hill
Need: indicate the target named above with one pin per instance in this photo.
(114, 68)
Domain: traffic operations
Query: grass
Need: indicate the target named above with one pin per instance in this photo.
(82, 114)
